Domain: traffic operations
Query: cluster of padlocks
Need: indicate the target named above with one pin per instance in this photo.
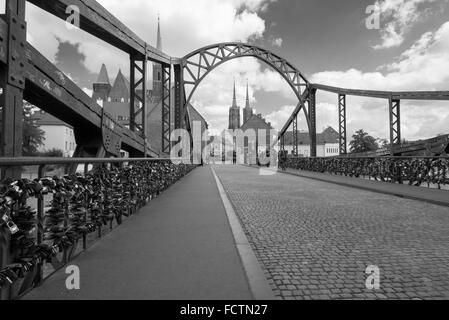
(413, 171)
(80, 205)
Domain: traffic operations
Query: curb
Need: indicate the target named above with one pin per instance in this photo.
(258, 283)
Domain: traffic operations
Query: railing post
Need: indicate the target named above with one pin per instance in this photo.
(40, 226)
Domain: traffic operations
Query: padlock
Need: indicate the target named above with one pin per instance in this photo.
(12, 227)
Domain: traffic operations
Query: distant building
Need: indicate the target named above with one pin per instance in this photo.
(327, 143)
(58, 135)
(251, 121)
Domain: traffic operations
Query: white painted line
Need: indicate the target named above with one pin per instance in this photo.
(258, 283)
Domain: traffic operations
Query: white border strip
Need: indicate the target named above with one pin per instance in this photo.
(258, 283)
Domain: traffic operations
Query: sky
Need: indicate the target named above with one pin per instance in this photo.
(327, 40)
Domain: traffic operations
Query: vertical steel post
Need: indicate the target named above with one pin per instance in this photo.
(40, 227)
(138, 92)
(178, 96)
(132, 95)
(166, 109)
(342, 124)
(12, 83)
(295, 136)
(395, 124)
(312, 116)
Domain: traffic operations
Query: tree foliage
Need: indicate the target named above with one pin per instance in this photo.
(363, 142)
(32, 135)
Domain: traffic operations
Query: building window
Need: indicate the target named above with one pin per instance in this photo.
(158, 76)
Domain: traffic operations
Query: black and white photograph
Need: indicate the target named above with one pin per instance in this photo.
(228, 157)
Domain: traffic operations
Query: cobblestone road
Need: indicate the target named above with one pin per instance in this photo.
(315, 240)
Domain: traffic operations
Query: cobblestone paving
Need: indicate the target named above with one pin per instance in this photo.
(315, 240)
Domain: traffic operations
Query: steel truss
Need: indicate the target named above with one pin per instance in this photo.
(197, 65)
(295, 136)
(342, 124)
(312, 115)
(395, 123)
(166, 109)
(137, 121)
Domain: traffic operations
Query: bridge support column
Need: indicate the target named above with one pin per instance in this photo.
(395, 124)
(342, 124)
(166, 109)
(179, 88)
(12, 83)
(138, 99)
(312, 116)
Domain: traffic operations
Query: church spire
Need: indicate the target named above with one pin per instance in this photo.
(247, 95)
(234, 100)
(159, 37)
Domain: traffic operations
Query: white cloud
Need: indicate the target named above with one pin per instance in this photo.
(280, 117)
(398, 16)
(186, 26)
(425, 66)
(277, 42)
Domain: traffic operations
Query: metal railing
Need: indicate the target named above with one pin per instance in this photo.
(82, 207)
(432, 172)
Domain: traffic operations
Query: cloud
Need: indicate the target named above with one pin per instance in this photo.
(277, 42)
(424, 66)
(186, 26)
(280, 117)
(399, 16)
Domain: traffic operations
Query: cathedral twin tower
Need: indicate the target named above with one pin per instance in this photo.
(234, 111)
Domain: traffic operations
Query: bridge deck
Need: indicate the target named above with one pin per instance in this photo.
(179, 247)
(316, 239)
(313, 239)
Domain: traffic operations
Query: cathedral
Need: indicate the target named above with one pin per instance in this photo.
(250, 119)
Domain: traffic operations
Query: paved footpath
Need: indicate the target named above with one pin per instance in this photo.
(316, 239)
(178, 247)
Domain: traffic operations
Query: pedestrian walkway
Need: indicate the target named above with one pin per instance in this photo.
(180, 246)
(434, 196)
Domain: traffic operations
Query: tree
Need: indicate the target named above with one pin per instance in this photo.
(363, 142)
(33, 136)
(383, 143)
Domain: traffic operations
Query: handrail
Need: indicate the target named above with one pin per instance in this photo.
(30, 161)
(379, 157)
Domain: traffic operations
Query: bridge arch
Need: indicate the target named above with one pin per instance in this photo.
(197, 65)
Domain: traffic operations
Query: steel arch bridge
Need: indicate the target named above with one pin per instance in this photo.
(26, 74)
(196, 66)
